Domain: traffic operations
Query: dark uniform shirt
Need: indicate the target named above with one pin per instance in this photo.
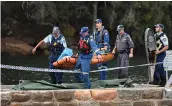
(123, 42)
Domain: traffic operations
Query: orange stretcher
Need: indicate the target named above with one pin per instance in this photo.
(69, 62)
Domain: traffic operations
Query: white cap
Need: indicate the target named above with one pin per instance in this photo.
(56, 30)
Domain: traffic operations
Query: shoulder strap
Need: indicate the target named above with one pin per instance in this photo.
(52, 38)
(162, 34)
(102, 33)
(94, 34)
(158, 37)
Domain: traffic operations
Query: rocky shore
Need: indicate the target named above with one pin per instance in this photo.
(89, 97)
(16, 46)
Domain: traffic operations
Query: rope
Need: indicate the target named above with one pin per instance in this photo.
(116, 68)
(68, 71)
(37, 69)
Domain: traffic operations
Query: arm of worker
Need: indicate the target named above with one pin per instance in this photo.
(45, 40)
(164, 40)
(131, 46)
(131, 53)
(39, 44)
(114, 50)
(94, 47)
(162, 50)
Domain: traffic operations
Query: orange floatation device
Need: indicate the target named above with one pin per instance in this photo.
(69, 62)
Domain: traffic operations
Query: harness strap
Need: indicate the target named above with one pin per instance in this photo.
(158, 38)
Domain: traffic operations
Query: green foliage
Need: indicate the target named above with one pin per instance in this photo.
(70, 16)
(69, 31)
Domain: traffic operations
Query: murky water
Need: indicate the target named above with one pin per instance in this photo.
(138, 74)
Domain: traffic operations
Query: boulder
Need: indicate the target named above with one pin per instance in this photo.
(14, 46)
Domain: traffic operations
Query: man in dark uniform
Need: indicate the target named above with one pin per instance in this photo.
(162, 43)
(56, 43)
(124, 46)
(101, 37)
(87, 47)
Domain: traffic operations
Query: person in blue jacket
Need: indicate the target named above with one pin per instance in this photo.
(101, 37)
(56, 44)
(87, 47)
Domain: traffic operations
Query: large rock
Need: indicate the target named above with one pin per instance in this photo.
(43, 96)
(104, 94)
(165, 103)
(168, 93)
(15, 46)
(22, 96)
(64, 96)
(152, 94)
(5, 98)
(129, 94)
(82, 95)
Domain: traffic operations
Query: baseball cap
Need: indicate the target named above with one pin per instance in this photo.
(98, 21)
(56, 29)
(83, 30)
(119, 27)
(159, 25)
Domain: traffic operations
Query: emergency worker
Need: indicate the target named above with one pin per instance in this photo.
(101, 37)
(56, 43)
(124, 46)
(162, 46)
(87, 47)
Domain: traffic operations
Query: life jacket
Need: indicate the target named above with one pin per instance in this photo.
(55, 47)
(101, 35)
(84, 46)
(159, 43)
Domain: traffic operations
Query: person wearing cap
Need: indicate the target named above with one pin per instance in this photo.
(162, 43)
(101, 37)
(87, 47)
(56, 44)
(124, 46)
